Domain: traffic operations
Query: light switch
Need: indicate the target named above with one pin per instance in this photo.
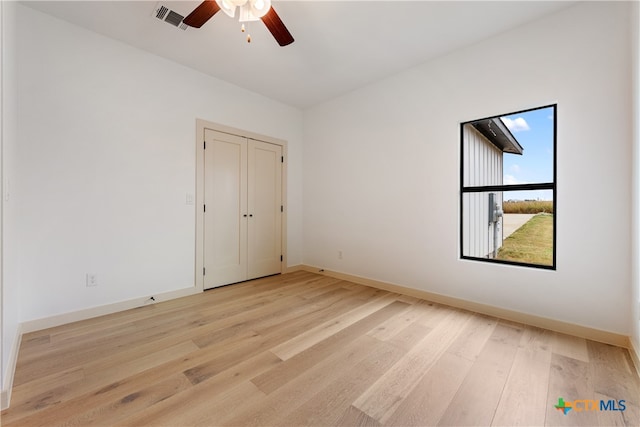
(190, 198)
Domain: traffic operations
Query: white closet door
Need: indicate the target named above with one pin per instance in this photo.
(264, 203)
(225, 198)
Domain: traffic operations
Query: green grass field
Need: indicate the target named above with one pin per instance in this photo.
(532, 243)
(528, 207)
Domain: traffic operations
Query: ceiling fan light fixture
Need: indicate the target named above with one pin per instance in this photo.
(259, 8)
(228, 7)
(246, 15)
(250, 10)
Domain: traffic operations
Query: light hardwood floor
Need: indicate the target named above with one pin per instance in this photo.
(303, 349)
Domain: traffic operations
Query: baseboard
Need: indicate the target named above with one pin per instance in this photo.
(294, 268)
(89, 313)
(514, 316)
(5, 398)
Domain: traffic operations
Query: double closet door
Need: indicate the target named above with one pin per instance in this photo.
(242, 209)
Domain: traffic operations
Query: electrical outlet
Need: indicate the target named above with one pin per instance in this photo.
(339, 254)
(91, 280)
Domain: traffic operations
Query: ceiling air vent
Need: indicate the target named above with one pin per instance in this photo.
(165, 14)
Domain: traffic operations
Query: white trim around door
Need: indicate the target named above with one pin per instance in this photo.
(202, 126)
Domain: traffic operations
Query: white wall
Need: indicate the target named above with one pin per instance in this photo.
(106, 159)
(10, 276)
(382, 169)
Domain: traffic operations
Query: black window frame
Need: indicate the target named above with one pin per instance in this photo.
(511, 187)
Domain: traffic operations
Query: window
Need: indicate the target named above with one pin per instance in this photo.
(508, 188)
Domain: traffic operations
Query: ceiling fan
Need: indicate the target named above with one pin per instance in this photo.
(250, 10)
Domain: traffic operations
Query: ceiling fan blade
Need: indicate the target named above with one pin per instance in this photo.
(277, 28)
(202, 13)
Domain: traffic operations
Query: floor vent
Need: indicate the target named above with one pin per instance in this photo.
(169, 16)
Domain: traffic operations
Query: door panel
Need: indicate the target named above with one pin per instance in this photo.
(264, 202)
(225, 198)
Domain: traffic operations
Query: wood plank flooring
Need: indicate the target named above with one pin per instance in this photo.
(307, 350)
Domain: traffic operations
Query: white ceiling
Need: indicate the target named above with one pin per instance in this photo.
(339, 45)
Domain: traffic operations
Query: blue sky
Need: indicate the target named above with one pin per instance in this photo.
(534, 132)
